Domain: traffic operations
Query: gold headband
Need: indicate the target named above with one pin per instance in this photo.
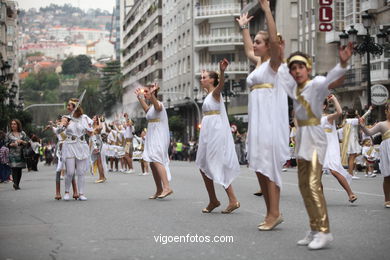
(301, 59)
(73, 102)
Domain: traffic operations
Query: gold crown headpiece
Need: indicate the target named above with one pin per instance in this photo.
(300, 58)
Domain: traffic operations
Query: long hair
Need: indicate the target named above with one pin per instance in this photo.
(18, 123)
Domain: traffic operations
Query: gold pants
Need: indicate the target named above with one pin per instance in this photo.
(310, 185)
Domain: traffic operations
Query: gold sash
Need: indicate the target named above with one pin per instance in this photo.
(386, 135)
(63, 136)
(344, 146)
(156, 120)
(328, 130)
(264, 85)
(312, 119)
(212, 112)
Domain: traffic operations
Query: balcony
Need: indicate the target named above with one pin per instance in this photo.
(233, 68)
(141, 74)
(212, 11)
(368, 5)
(217, 40)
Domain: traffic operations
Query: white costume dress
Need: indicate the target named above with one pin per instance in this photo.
(384, 148)
(353, 142)
(311, 137)
(332, 156)
(60, 140)
(216, 155)
(157, 138)
(268, 130)
(75, 151)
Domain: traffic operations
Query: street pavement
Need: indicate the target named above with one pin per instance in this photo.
(119, 221)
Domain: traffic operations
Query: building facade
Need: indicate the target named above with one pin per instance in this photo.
(142, 48)
(9, 46)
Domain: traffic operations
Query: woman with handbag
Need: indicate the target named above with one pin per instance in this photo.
(16, 141)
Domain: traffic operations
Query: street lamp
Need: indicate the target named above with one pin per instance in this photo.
(367, 46)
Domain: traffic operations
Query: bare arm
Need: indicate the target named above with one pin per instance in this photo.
(339, 111)
(344, 54)
(378, 128)
(273, 38)
(139, 93)
(243, 21)
(367, 113)
(153, 98)
(217, 91)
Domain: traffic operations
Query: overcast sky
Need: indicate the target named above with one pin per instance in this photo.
(83, 4)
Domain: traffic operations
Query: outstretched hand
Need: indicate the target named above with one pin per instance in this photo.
(139, 92)
(264, 4)
(244, 19)
(345, 52)
(223, 64)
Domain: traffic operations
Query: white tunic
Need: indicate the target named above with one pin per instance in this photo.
(268, 128)
(75, 145)
(353, 142)
(216, 155)
(157, 138)
(332, 157)
(309, 138)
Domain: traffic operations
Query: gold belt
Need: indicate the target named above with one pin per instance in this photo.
(309, 122)
(74, 137)
(386, 135)
(264, 85)
(156, 120)
(212, 112)
(328, 130)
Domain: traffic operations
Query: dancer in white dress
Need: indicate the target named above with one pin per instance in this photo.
(216, 157)
(75, 150)
(308, 97)
(157, 140)
(332, 161)
(268, 129)
(61, 137)
(98, 156)
(384, 150)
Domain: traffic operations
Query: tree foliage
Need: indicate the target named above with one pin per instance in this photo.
(111, 86)
(177, 126)
(75, 65)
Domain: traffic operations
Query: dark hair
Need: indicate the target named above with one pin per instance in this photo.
(351, 113)
(18, 123)
(326, 103)
(214, 75)
(297, 53)
(34, 138)
(2, 135)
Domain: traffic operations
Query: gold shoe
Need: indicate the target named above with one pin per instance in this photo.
(268, 227)
(206, 210)
(387, 204)
(230, 210)
(161, 196)
(99, 181)
(261, 223)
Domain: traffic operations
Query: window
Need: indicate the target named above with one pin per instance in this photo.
(294, 10)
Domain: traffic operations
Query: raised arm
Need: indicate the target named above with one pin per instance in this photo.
(378, 128)
(153, 98)
(345, 52)
(273, 38)
(243, 22)
(217, 91)
(140, 95)
(367, 113)
(339, 111)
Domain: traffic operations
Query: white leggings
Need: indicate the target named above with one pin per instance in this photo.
(78, 167)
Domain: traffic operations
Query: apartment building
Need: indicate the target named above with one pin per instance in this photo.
(178, 72)
(9, 45)
(217, 36)
(142, 47)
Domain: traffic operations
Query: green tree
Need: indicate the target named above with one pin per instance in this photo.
(70, 66)
(84, 63)
(92, 102)
(111, 86)
(177, 126)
